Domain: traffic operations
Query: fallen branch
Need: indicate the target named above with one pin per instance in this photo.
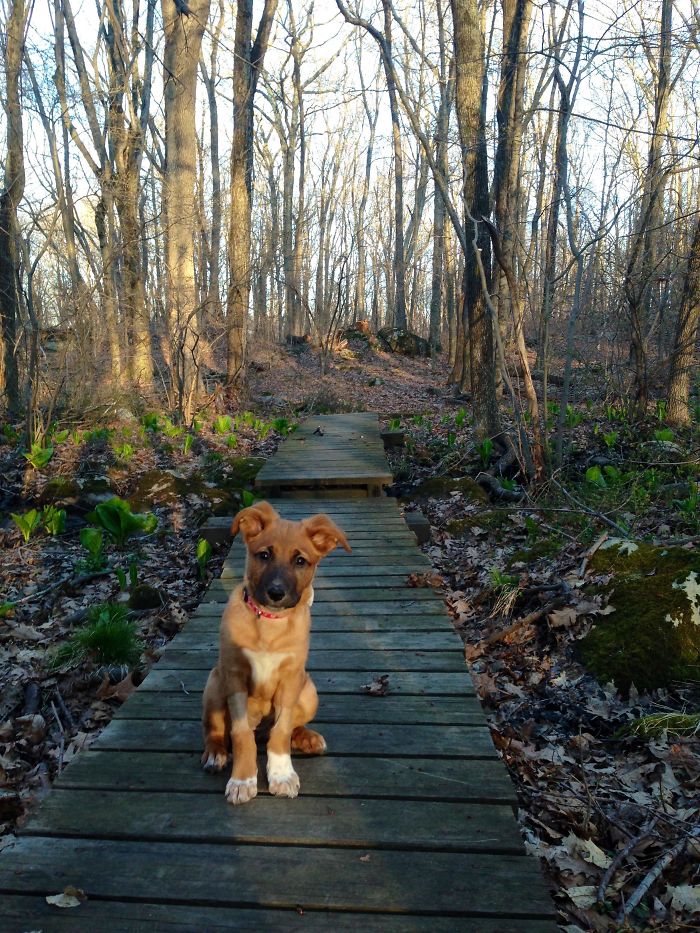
(591, 551)
(599, 515)
(494, 486)
(520, 623)
(622, 855)
(653, 874)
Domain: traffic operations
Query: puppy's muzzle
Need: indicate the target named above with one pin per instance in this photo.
(276, 591)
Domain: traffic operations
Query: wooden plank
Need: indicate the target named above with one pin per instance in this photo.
(423, 608)
(309, 821)
(478, 780)
(20, 913)
(337, 581)
(313, 878)
(206, 653)
(235, 569)
(220, 591)
(405, 683)
(388, 710)
(343, 739)
(444, 639)
(210, 615)
(207, 639)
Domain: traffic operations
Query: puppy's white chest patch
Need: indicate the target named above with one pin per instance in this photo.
(264, 664)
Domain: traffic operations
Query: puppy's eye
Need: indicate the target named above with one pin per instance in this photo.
(264, 555)
(300, 561)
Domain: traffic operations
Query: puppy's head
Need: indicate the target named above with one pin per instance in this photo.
(282, 555)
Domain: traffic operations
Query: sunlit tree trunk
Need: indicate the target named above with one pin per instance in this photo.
(183, 38)
(10, 197)
(683, 354)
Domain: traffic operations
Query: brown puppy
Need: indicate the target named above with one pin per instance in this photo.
(264, 643)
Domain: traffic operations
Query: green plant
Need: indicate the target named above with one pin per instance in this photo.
(418, 420)
(610, 439)
(451, 438)
(573, 418)
(661, 408)
(6, 608)
(39, 455)
(108, 638)
(53, 520)
(170, 429)
(282, 426)
(27, 523)
(10, 434)
(92, 540)
(231, 440)
(98, 434)
(394, 424)
(121, 576)
(77, 437)
(151, 422)
(594, 476)
(531, 527)
(653, 726)
(123, 451)
(248, 498)
(664, 435)
(187, 444)
(690, 507)
(203, 555)
(460, 418)
(197, 425)
(117, 519)
(500, 580)
(613, 475)
(60, 436)
(485, 449)
(508, 484)
(222, 424)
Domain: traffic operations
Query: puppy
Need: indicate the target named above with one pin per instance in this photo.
(264, 643)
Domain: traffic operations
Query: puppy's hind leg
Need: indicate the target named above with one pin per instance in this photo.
(307, 740)
(215, 724)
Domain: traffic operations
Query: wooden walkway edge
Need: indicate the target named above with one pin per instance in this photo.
(407, 823)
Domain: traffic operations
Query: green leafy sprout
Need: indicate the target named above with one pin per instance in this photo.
(108, 638)
(27, 523)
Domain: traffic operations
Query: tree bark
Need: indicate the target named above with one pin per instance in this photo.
(248, 62)
(183, 29)
(683, 354)
(10, 198)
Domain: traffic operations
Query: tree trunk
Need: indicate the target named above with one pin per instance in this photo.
(686, 336)
(10, 197)
(248, 61)
(470, 110)
(183, 39)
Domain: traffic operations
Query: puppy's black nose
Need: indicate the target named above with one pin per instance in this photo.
(276, 592)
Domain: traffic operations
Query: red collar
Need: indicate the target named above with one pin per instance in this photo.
(258, 610)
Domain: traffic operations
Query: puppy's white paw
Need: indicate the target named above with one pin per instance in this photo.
(282, 779)
(241, 791)
(215, 762)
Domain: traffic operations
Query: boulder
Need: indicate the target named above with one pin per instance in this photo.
(399, 340)
(653, 636)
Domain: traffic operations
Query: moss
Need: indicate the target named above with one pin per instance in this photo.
(165, 488)
(545, 547)
(144, 596)
(653, 637)
(59, 489)
(442, 486)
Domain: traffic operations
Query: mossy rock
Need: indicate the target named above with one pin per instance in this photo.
(441, 486)
(653, 637)
(144, 596)
(241, 471)
(59, 489)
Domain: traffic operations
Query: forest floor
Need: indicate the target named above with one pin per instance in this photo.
(609, 800)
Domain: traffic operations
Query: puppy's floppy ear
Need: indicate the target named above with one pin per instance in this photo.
(251, 521)
(324, 534)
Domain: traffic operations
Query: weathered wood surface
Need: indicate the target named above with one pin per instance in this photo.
(330, 450)
(405, 824)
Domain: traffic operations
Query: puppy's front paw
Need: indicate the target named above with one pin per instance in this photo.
(241, 791)
(282, 779)
(214, 761)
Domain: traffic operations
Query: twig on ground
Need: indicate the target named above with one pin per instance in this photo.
(622, 855)
(599, 515)
(591, 551)
(653, 874)
(520, 623)
(64, 709)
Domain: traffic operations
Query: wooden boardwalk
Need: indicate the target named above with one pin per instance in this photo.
(405, 824)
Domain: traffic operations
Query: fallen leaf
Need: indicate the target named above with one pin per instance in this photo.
(379, 687)
(562, 618)
(70, 897)
(685, 897)
(121, 691)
